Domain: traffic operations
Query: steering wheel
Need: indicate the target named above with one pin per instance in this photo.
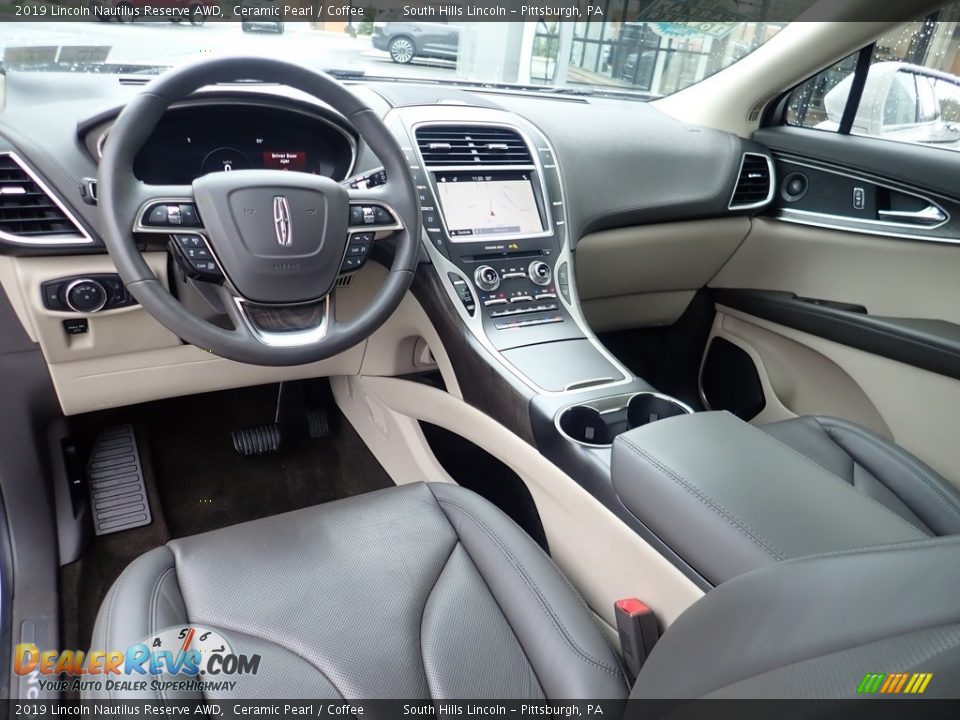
(271, 243)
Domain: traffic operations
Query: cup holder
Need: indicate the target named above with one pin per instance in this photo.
(597, 422)
(645, 408)
(585, 425)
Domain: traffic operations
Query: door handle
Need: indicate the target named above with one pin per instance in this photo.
(930, 215)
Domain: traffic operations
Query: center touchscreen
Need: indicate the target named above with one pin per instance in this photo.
(476, 205)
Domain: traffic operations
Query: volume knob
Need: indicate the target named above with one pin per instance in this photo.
(539, 272)
(486, 278)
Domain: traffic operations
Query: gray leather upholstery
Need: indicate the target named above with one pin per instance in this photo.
(813, 627)
(729, 498)
(877, 468)
(419, 591)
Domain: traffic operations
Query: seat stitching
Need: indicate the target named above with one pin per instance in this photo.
(719, 509)
(924, 478)
(896, 547)
(423, 612)
(843, 483)
(545, 606)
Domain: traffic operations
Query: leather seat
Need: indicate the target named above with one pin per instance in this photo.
(877, 468)
(418, 591)
(429, 591)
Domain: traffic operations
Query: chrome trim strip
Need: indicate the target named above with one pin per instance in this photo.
(867, 231)
(773, 184)
(81, 238)
(294, 338)
(536, 166)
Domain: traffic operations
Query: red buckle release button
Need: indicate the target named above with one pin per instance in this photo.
(631, 606)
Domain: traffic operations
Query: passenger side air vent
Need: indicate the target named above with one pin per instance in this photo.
(28, 212)
(754, 184)
(472, 145)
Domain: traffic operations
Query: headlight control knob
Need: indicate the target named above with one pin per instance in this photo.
(85, 296)
(486, 278)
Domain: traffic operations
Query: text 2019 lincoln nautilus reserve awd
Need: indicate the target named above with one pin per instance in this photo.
(385, 359)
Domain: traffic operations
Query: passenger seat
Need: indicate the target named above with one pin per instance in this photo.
(877, 468)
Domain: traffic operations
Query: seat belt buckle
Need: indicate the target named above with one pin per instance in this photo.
(637, 627)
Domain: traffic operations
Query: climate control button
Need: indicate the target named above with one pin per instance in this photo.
(486, 278)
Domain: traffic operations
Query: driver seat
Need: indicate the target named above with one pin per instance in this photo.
(429, 591)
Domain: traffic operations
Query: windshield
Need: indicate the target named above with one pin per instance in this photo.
(602, 55)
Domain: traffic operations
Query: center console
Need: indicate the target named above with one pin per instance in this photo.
(501, 291)
(493, 211)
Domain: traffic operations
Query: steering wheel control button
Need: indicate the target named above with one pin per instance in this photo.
(197, 253)
(207, 269)
(170, 215)
(350, 264)
(188, 216)
(540, 273)
(189, 241)
(486, 278)
(86, 296)
(366, 215)
(196, 259)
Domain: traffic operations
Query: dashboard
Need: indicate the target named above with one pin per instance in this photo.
(194, 140)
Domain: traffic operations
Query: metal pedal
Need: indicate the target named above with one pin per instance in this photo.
(118, 495)
(259, 440)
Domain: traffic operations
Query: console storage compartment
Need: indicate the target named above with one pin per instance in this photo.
(727, 497)
(564, 365)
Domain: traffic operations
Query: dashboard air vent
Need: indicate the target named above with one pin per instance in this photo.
(472, 145)
(754, 184)
(28, 212)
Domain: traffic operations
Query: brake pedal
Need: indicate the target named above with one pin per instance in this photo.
(118, 493)
(259, 440)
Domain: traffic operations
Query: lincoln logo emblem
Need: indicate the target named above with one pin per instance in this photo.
(281, 221)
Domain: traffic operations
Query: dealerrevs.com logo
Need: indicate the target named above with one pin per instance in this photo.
(186, 658)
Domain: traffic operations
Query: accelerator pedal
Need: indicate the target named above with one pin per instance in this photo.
(318, 423)
(259, 440)
(118, 495)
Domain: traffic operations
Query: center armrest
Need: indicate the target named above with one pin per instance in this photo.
(729, 498)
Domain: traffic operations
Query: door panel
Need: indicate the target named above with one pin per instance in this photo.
(880, 351)
(890, 277)
(919, 408)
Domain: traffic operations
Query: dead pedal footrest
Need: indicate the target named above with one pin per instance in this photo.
(115, 479)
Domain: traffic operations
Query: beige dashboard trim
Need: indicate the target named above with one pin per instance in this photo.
(646, 275)
(604, 558)
(127, 357)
